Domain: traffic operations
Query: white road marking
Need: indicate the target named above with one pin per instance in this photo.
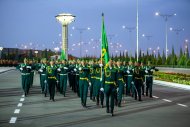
(166, 100)
(21, 99)
(17, 111)
(23, 95)
(155, 97)
(182, 105)
(13, 120)
(19, 105)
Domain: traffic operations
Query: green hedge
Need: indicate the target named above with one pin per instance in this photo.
(173, 77)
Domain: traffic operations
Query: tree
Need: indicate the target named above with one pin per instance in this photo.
(163, 58)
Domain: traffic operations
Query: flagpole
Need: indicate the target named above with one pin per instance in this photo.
(101, 43)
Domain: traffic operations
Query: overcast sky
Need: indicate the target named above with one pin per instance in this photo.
(32, 23)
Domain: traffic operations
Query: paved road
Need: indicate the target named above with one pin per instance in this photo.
(170, 107)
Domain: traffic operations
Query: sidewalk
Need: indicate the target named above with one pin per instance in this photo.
(171, 84)
(5, 69)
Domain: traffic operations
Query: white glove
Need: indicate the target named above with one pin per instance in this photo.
(151, 70)
(65, 68)
(144, 83)
(40, 70)
(59, 69)
(146, 71)
(28, 67)
(80, 68)
(100, 79)
(90, 84)
(21, 68)
(132, 82)
(101, 65)
(75, 69)
(128, 71)
(57, 81)
(45, 81)
(125, 85)
(102, 89)
(117, 89)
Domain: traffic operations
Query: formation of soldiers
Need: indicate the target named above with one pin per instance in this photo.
(111, 81)
(8, 63)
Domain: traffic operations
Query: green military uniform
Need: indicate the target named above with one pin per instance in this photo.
(51, 80)
(97, 85)
(43, 78)
(138, 81)
(25, 76)
(129, 86)
(120, 83)
(63, 70)
(109, 84)
(83, 83)
(149, 79)
(92, 80)
(143, 73)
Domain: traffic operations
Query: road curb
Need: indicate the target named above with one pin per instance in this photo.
(171, 84)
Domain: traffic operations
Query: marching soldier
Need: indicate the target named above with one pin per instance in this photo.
(149, 78)
(129, 85)
(63, 70)
(97, 84)
(109, 84)
(138, 81)
(51, 79)
(142, 67)
(43, 76)
(25, 76)
(120, 82)
(92, 80)
(84, 82)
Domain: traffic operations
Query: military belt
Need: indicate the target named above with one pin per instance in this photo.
(52, 77)
(106, 82)
(138, 78)
(93, 77)
(62, 74)
(121, 79)
(130, 75)
(97, 78)
(84, 79)
(25, 73)
(43, 74)
(148, 76)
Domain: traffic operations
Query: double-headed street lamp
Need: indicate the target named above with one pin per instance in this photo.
(166, 17)
(65, 19)
(81, 30)
(177, 30)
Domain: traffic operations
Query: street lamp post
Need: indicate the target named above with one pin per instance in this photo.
(65, 19)
(166, 17)
(81, 30)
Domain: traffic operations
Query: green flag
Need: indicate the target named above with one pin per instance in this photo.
(62, 54)
(105, 51)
